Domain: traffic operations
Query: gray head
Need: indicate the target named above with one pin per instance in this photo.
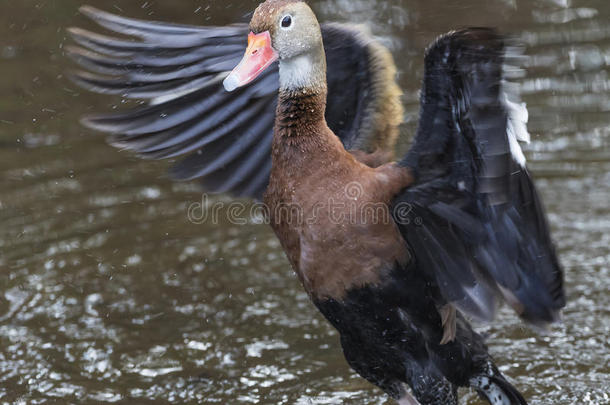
(287, 30)
(293, 27)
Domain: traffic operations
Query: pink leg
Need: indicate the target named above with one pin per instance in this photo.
(408, 399)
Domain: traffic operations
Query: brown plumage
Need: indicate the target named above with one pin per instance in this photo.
(387, 111)
(319, 195)
(341, 205)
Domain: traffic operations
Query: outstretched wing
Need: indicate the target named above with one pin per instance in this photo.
(225, 138)
(474, 219)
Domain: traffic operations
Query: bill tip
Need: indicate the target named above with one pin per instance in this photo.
(231, 82)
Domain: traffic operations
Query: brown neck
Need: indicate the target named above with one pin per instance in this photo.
(302, 99)
(301, 135)
(299, 112)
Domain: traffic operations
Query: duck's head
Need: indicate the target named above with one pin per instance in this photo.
(287, 30)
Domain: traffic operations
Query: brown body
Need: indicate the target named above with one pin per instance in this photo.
(329, 210)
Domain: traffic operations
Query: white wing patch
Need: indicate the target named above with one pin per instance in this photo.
(517, 128)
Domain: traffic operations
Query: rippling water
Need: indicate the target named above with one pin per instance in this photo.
(108, 293)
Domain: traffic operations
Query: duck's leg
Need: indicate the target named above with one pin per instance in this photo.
(407, 399)
(431, 390)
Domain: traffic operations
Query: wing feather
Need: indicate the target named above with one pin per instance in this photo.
(477, 225)
(224, 137)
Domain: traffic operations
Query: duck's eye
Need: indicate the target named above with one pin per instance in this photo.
(286, 21)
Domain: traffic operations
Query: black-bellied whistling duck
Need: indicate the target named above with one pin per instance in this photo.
(395, 256)
(226, 138)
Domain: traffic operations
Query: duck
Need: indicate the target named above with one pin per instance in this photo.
(223, 141)
(399, 256)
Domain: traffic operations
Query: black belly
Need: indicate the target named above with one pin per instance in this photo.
(391, 334)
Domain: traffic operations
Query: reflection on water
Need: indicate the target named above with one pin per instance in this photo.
(110, 294)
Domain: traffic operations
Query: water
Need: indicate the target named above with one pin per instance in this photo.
(110, 294)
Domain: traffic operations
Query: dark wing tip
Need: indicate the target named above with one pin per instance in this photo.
(471, 36)
(92, 121)
(178, 69)
(90, 11)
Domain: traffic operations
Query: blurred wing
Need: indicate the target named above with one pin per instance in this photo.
(474, 219)
(363, 107)
(225, 138)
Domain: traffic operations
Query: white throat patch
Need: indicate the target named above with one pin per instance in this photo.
(297, 72)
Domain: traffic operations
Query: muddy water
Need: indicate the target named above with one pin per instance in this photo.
(108, 293)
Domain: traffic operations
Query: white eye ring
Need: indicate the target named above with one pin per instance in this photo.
(287, 22)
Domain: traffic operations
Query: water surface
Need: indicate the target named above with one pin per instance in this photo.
(108, 293)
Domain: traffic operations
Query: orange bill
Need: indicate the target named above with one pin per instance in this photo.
(259, 56)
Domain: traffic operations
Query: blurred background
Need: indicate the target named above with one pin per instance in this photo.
(109, 294)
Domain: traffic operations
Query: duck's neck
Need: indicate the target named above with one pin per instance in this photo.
(307, 70)
(302, 98)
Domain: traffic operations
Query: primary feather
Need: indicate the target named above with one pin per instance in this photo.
(224, 138)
